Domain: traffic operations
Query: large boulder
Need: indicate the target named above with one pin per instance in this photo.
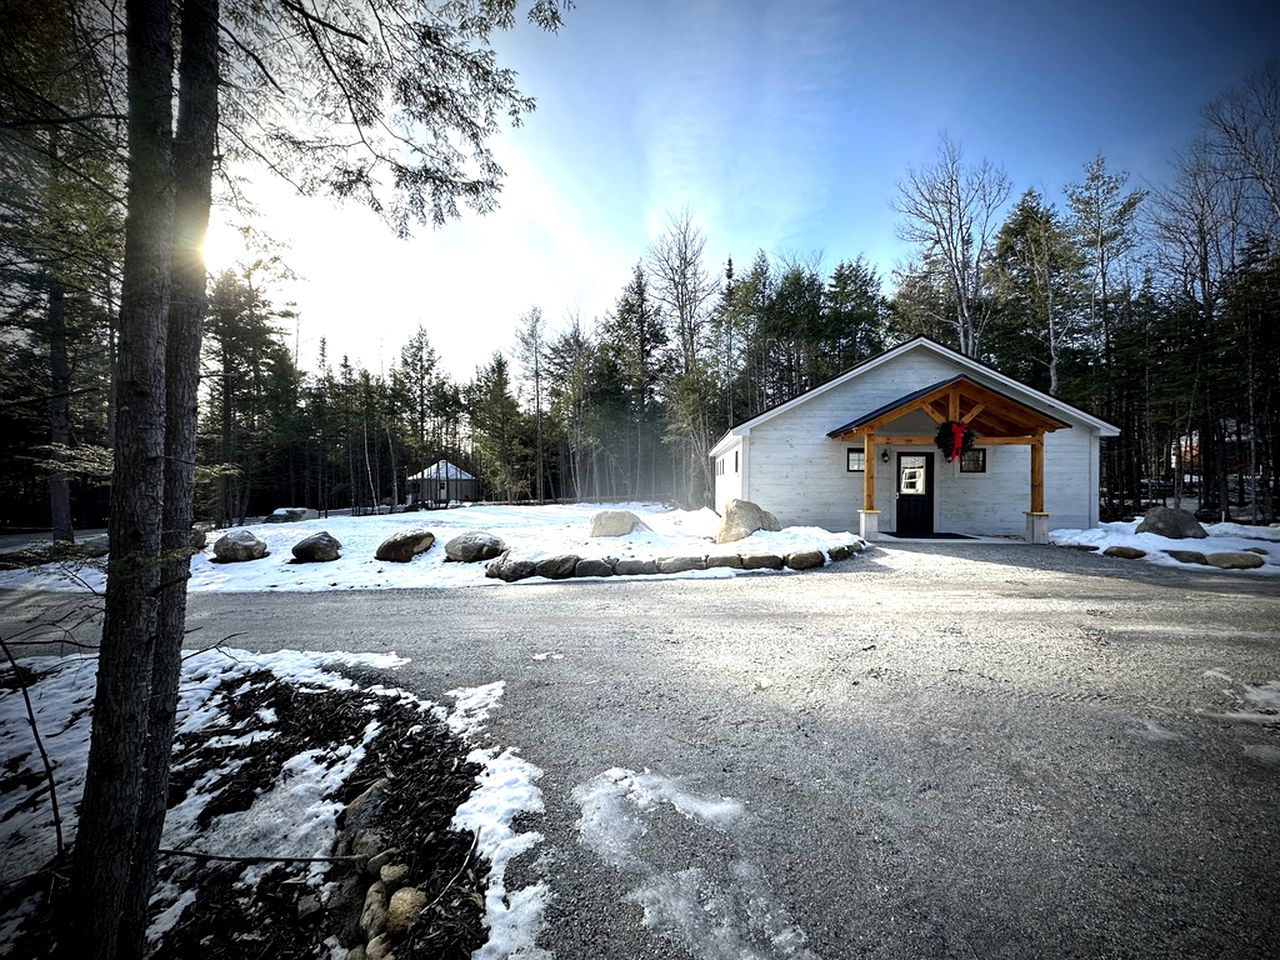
(634, 568)
(730, 560)
(805, 559)
(1168, 522)
(681, 564)
(321, 547)
(474, 546)
(1124, 553)
(1234, 560)
(560, 567)
(404, 545)
(593, 568)
(742, 518)
(761, 561)
(509, 570)
(291, 515)
(237, 546)
(615, 523)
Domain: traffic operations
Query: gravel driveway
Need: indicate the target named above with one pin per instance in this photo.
(933, 750)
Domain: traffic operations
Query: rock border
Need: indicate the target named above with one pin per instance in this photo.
(569, 566)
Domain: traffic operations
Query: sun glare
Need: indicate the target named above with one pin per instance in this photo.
(223, 247)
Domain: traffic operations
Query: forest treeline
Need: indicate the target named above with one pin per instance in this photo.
(1155, 308)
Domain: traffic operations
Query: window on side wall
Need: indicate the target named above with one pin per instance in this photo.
(974, 461)
(735, 461)
(857, 460)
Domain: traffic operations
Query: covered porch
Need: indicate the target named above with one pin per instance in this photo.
(991, 420)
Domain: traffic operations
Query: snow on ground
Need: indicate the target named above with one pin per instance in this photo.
(295, 817)
(1222, 537)
(531, 532)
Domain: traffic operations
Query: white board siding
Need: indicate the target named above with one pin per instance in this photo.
(801, 476)
(729, 483)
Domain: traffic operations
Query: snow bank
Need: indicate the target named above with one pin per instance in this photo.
(1222, 537)
(531, 532)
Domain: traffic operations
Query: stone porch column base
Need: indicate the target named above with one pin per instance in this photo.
(1037, 527)
(869, 524)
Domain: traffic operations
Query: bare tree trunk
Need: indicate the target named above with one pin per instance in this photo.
(59, 413)
(105, 841)
(193, 162)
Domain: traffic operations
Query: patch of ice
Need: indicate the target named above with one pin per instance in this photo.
(547, 656)
(736, 918)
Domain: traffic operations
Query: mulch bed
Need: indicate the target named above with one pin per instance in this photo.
(424, 777)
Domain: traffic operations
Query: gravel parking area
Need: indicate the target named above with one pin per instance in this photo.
(932, 750)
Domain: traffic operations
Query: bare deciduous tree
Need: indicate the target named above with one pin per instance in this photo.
(950, 208)
(1244, 136)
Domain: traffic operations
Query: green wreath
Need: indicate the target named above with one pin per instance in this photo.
(946, 438)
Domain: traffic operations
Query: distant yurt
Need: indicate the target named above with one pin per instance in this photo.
(444, 482)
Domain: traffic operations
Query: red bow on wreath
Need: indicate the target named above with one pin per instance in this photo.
(958, 431)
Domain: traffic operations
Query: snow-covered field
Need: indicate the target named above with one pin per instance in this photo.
(294, 817)
(530, 532)
(1222, 537)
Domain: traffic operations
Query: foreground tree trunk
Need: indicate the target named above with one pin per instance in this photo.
(193, 161)
(105, 841)
(59, 412)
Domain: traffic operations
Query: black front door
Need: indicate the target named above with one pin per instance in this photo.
(915, 493)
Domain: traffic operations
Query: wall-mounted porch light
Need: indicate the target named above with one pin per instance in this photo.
(884, 456)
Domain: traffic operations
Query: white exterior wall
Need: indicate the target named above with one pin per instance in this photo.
(801, 476)
(729, 483)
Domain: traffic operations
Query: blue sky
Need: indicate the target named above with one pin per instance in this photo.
(781, 125)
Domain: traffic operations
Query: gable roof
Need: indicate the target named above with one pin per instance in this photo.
(917, 343)
(933, 387)
(443, 470)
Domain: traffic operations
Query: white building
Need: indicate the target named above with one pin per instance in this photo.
(860, 452)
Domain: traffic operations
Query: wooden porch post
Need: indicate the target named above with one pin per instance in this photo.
(1037, 472)
(869, 472)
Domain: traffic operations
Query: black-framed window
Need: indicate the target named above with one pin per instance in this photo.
(735, 461)
(974, 461)
(857, 460)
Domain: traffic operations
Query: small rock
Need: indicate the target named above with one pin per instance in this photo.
(238, 546)
(364, 809)
(1172, 523)
(406, 908)
(743, 518)
(1124, 553)
(320, 547)
(681, 564)
(403, 546)
(474, 546)
(731, 560)
(357, 953)
(393, 875)
(761, 561)
(559, 567)
(1260, 551)
(805, 560)
(198, 538)
(368, 842)
(857, 546)
(308, 906)
(379, 948)
(1234, 560)
(615, 523)
(634, 568)
(593, 568)
(838, 553)
(1187, 556)
(373, 918)
(380, 860)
